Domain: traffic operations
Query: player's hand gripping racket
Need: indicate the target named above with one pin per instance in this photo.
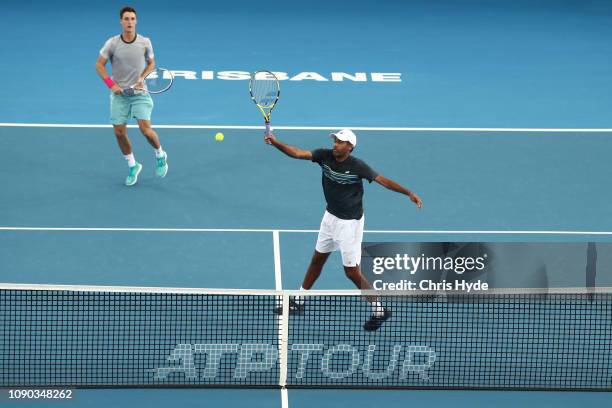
(158, 81)
(265, 91)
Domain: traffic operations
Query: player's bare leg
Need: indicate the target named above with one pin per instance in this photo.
(379, 313)
(313, 272)
(126, 148)
(149, 133)
(161, 157)
(122, 139)
(314, 269)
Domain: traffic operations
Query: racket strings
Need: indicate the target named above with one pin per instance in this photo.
(158, 80)
(264, 92)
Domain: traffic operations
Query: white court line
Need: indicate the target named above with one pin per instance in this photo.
(310, 231)
(327, 128)
(278, 277)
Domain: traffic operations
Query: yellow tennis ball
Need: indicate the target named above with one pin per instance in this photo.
(219, 137)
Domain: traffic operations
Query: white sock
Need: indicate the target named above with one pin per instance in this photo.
(300, 299)
(159, 152)
(377, 308)
(131, 161)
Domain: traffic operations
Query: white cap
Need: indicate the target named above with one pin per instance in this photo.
(346, 135)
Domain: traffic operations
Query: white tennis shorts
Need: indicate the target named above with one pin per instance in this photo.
(344, 235)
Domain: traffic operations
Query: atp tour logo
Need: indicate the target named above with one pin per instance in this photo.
(292, 76)
(257, 358)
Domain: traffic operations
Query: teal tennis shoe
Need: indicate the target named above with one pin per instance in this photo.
(132, 177)
(161, 167)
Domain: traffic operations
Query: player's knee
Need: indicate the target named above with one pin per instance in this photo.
(121, 134)
(318, 259)
(145, 129)
(144, 124)
(352, 272)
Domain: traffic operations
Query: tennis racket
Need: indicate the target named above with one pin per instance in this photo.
(265, 91)
(158, 81)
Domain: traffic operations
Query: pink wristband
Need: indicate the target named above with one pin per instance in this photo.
(109, 82)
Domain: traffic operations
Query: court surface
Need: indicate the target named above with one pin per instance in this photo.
(496, 113)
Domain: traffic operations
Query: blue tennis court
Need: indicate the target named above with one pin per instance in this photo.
(496, 113)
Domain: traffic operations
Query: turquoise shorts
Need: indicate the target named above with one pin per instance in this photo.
(123, 107)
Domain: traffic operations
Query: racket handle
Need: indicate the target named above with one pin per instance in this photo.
(267, 128)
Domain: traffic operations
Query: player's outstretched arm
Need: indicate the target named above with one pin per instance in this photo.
(290, 151)
(392, 185)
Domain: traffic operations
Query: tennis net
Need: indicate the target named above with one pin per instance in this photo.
(77, 336)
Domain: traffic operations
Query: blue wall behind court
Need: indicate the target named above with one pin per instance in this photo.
(464, 64)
